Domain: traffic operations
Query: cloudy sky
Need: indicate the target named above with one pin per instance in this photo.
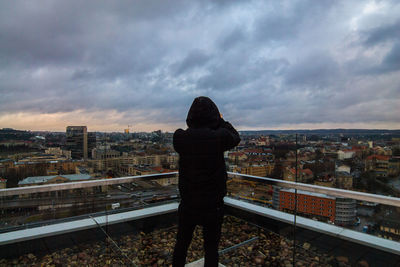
(266, 64)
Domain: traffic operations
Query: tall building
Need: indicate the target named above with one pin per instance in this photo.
(92, 142)
(77, 141)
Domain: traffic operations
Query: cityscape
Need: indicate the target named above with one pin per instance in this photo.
(358, 160)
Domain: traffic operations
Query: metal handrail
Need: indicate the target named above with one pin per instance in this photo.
(82, 184)
(386, 200)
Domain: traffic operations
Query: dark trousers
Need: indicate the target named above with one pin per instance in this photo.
(211, 221)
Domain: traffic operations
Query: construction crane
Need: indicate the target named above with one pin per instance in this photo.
(128, 129)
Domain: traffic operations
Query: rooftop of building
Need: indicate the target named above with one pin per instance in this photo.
(43, 179)
(255, 246)
(252, 235)
(302, 192)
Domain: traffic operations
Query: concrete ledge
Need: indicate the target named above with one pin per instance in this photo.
(316, 226)
(83, 224)
(200, 263)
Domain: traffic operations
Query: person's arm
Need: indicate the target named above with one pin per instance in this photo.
(231, 136)
(177, 140)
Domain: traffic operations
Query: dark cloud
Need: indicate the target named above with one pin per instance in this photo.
(265, 63)
(391, 62)
(382, 33)
(318, 70)
(283, 22)
(195, 58)
(232, 39)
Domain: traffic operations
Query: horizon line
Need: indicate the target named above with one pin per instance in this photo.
(245, 130)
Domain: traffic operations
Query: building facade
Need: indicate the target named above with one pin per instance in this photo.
(77, 141)
(379, 164)
(309, 204)
(389, 229)
(346, 210)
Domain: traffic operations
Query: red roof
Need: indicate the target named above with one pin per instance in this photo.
(161, 169)
(305, 171)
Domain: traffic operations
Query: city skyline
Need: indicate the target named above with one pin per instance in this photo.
(283, 65)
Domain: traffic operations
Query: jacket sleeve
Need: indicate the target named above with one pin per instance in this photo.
(230, 137)
(178, 141)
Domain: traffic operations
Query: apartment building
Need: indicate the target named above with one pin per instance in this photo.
(256, 170)
(57, 151)
(394, 166)
(378, 164)
(289, 174)
(344, 180)
(389, 229)
(308, 203)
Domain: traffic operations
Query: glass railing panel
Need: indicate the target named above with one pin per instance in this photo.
(142, 242)
(243, 238)
(28, 207)
(341, 213)
(339, 207)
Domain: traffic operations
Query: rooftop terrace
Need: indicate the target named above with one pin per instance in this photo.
(141, 231)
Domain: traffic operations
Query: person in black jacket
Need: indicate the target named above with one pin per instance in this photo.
(202, 177)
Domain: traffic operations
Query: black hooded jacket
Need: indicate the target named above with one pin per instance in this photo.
(202, 171)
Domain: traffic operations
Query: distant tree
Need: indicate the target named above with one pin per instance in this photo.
(314, 138)
(318, 154)
(370, 181)
(277, 172)
(280, 151)
(14, 175)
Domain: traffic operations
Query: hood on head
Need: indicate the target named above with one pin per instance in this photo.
(203, 113)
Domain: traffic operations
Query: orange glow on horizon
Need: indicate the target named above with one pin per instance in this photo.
(113, 121)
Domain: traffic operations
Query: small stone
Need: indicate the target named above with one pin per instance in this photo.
(160, 261)
(82, 256)
(258, 260)
(306, 246)
(316, 258)
(342, 259)
(363, 263)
